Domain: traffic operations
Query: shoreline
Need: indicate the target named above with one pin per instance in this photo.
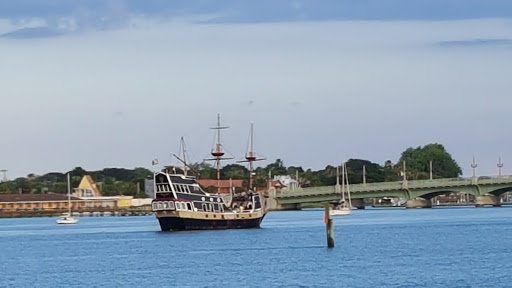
(50, 214)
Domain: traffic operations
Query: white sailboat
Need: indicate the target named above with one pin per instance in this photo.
(67, 218)
(344, 208)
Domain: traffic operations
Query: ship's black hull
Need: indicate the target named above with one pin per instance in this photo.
(178, 224)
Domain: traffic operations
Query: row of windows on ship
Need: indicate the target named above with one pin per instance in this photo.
(178, 188)
(186, 206)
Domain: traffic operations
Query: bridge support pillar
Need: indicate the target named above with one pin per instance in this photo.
(418, 203)
(486, 200)
(271, 203)
(358, 203)
(295, 206)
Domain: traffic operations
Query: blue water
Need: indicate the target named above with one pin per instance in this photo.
(459, 247)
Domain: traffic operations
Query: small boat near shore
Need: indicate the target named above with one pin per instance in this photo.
(67, 218)
(344, 207)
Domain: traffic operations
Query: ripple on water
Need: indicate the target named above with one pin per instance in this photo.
(374, 248)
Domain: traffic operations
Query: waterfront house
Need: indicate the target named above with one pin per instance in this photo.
(87, 197)
(87, 188)
(287, 182)
(38, 202)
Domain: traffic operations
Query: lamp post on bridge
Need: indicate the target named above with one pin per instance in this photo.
(404, 178)
(500, 165)
(473, 166)
(364, 175)
(270, 178)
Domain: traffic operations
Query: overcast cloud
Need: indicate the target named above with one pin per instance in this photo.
(319, 91)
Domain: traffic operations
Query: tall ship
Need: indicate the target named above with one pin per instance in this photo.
(181, 204)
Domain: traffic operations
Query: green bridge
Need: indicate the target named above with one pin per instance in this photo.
(418, 193)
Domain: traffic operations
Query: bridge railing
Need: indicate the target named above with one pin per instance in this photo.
(505, 179)
(396, 185)
(446, 182)
(306, 191)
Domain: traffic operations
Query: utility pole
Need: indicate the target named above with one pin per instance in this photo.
(269, 179)
(297, 178)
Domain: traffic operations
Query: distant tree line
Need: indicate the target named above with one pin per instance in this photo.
(119, 181)
(111, 181)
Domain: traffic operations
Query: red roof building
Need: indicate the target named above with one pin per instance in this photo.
(277, 184)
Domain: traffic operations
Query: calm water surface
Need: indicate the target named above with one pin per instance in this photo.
(459, 247)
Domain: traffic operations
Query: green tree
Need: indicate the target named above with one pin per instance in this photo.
(277, 168)
(418, 162)
(294, 171)
(374, 172)
(234, 171)
(8, 187)
(78, 171)
(61, 187)
(23, 184)
(204, 170)
(140, 173)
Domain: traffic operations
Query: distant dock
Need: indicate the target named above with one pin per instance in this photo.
(88, 213)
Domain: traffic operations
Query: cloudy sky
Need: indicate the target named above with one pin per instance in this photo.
(117, 83)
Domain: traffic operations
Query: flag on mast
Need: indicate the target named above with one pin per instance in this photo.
(154, 162)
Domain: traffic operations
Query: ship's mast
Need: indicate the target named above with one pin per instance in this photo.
(218, 153)
(183, 158)
(250, 157)
(184, 151)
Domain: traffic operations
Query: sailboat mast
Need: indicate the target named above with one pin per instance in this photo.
(343, 182)
(337, 189)
(69, 196)
(348, 187)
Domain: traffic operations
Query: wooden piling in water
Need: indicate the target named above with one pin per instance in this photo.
(329, 227)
